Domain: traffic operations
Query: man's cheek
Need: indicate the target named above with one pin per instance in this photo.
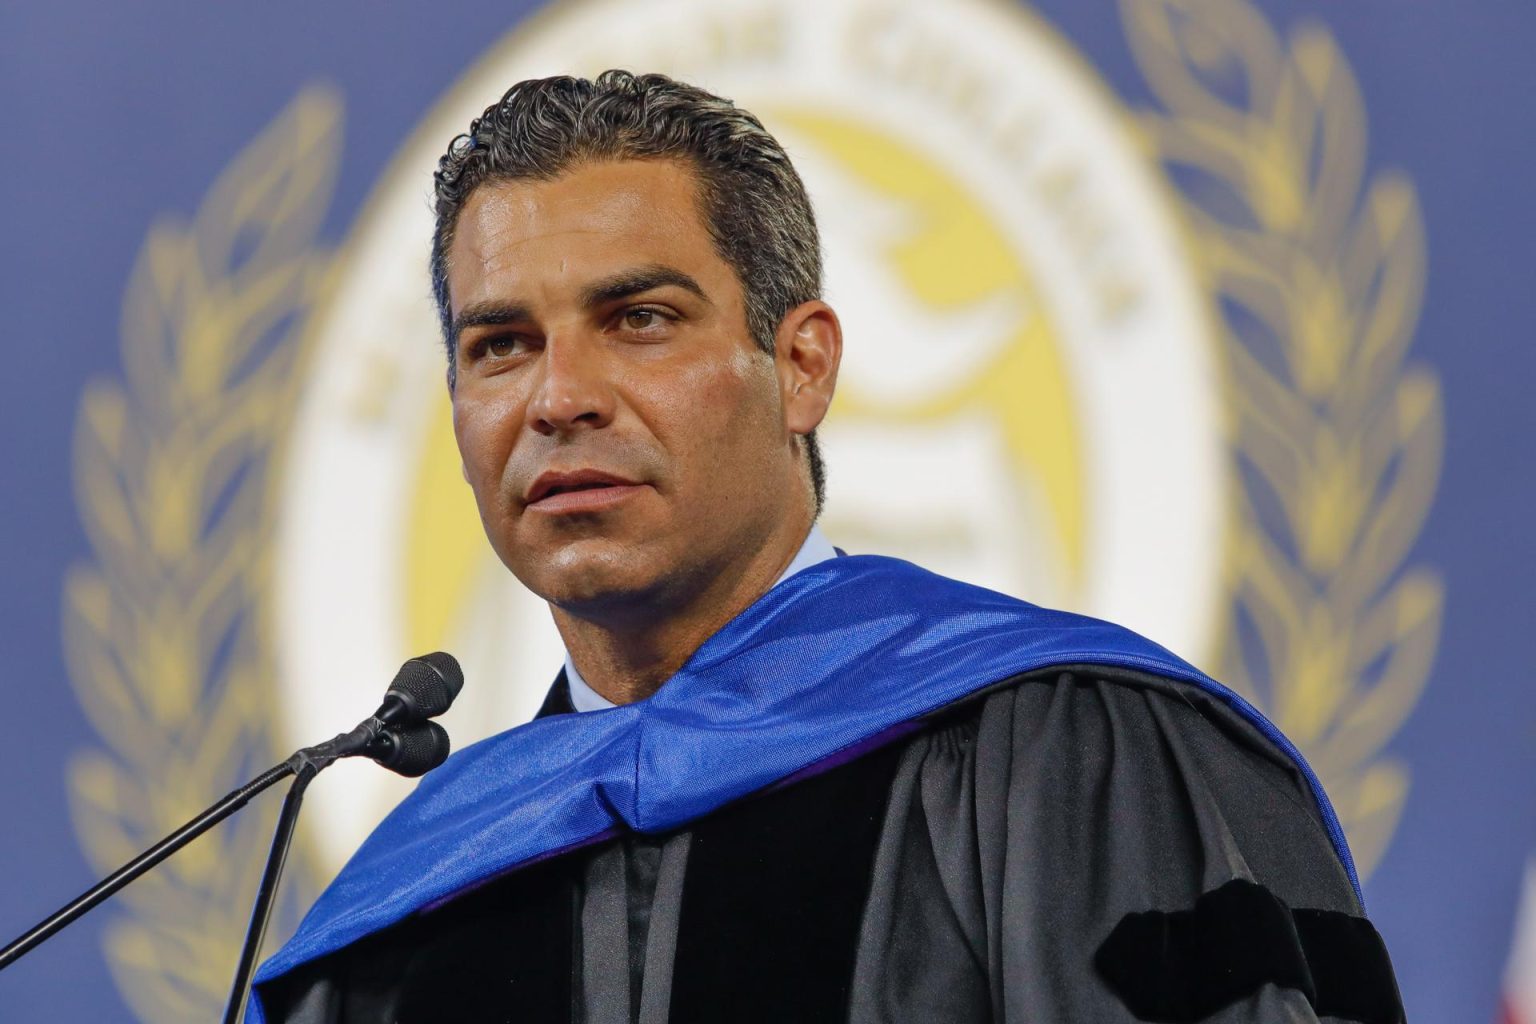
(485, 428)
(470, 445)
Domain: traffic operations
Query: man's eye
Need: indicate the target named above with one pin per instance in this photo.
(499, 347)
(640, 319)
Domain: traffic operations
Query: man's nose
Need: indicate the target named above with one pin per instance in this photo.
(573, 390)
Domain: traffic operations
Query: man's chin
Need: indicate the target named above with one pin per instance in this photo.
(596, 578)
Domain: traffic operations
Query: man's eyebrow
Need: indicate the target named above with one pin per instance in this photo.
(599, 293)
(489, 314)
(632, 282)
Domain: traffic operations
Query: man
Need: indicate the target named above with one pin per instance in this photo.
(772, 783)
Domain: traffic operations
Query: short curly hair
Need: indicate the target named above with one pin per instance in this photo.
(754, 203)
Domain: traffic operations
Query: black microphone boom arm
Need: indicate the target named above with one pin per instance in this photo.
(322, 755)
(398, 736)
(231, 803)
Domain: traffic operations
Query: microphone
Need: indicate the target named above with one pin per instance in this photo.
(411, 750)
(424, 688)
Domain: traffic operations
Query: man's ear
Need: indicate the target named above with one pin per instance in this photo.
(808, 347)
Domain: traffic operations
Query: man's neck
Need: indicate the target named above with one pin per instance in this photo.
(630, 663)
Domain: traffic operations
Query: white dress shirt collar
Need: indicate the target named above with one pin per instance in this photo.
(815, 549)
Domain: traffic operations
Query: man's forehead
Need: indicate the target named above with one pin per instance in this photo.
(585, 224)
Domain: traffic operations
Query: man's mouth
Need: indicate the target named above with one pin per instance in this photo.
(581, 490)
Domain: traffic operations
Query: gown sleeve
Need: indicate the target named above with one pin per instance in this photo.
(1025, 826)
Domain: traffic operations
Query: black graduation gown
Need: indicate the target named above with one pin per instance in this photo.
(998, 865)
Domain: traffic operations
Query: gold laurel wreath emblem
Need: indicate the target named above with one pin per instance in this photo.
(163, 633)
(1317, 275)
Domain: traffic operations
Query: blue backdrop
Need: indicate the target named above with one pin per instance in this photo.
(117, 114)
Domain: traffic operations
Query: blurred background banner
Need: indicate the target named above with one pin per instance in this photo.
(1206, 316)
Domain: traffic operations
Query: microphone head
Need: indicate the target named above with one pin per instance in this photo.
(412, 750)
(427, 685)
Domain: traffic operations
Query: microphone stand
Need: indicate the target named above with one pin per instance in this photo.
(304, 763)
(400, 736)
(267, 893)
(65, 915)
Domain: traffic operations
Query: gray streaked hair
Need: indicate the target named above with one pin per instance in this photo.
(753, 201)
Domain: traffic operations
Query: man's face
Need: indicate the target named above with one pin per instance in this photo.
(625, 439)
